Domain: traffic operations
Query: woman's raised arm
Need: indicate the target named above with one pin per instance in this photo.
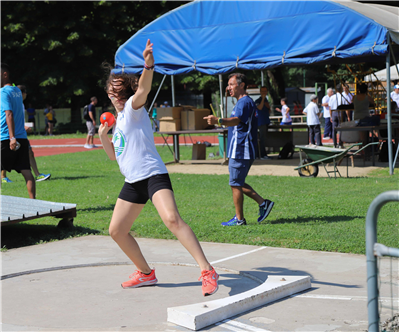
(145, 81)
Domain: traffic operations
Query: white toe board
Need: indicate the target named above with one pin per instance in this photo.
(199, 315)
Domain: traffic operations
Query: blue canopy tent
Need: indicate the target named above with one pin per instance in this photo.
(217, 37)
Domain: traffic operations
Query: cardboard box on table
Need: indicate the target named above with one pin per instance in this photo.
(169, 125)
(193, 119)
(169, 118)
(169, 113)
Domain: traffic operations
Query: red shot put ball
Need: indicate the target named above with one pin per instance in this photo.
(107, 117)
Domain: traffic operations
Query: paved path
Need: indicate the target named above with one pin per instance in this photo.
(74, 284)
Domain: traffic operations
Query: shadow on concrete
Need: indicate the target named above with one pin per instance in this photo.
(237, 283)
(22, 235)
(264, 272)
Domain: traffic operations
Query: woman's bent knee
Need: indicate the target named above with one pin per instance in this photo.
(116, 233)
(173, 222)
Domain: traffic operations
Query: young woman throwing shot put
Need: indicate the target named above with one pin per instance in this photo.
(146, 176)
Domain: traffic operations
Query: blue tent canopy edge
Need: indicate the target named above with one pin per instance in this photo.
(217, 37)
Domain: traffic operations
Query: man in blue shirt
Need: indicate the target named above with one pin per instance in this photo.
(14, 141)
(241, 146)
(263, 107)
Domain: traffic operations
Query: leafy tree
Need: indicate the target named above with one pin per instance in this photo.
(56, 48)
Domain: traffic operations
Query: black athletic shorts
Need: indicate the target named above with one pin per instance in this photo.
(15, 160)
(140, 192)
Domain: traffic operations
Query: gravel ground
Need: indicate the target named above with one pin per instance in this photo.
(391, 325)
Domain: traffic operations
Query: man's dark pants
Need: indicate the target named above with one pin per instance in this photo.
(314, 131)
(327, 128)
(335, 124)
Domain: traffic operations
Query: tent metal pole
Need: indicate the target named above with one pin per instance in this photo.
(172, 78)
(389, 120)
(156, 95)
(150, 109)
(221, 95)
(262, 77)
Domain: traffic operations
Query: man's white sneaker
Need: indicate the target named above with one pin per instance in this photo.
(88, 146)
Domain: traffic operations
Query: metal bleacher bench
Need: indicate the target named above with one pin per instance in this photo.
(17, 209)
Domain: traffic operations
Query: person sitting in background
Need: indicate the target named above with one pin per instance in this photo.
(297, 107)
(361, 103)
(312, 119)
(285, 111)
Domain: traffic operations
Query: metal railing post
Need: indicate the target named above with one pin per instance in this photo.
(371, 239)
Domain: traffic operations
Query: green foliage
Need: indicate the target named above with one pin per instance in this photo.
(315, 214)
(56, 48)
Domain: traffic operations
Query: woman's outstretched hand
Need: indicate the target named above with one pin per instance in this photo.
(147, 54)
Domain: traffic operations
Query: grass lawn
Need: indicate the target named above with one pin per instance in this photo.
(316, 214)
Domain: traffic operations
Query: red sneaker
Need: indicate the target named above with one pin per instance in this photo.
(139, 279)
(209, 282)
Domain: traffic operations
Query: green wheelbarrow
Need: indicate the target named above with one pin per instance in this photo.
(315, 155)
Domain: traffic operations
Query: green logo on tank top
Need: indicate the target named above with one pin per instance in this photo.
(119, 142)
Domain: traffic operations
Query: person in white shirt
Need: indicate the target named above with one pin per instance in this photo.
(395, 97)
(285, 112)
(312, 120)
(347, 98)
(333, 103)
(326, 114)
(146, 176)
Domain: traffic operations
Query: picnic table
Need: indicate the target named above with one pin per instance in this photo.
(17, 209)
(176, 134)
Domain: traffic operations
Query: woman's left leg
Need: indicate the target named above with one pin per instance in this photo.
(164, 202)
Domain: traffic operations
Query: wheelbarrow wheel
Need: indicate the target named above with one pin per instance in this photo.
(310, 171)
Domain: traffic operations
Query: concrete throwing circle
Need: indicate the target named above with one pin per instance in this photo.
(91, 297)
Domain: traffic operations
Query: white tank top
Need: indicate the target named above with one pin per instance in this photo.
(134, 145)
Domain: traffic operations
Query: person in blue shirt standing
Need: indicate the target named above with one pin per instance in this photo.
(14, 140)
(263, 107)
(241, 146)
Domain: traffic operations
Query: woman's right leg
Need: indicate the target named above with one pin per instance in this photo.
(125, 213)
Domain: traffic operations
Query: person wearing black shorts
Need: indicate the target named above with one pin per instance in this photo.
(146, 176)
(14, 142)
